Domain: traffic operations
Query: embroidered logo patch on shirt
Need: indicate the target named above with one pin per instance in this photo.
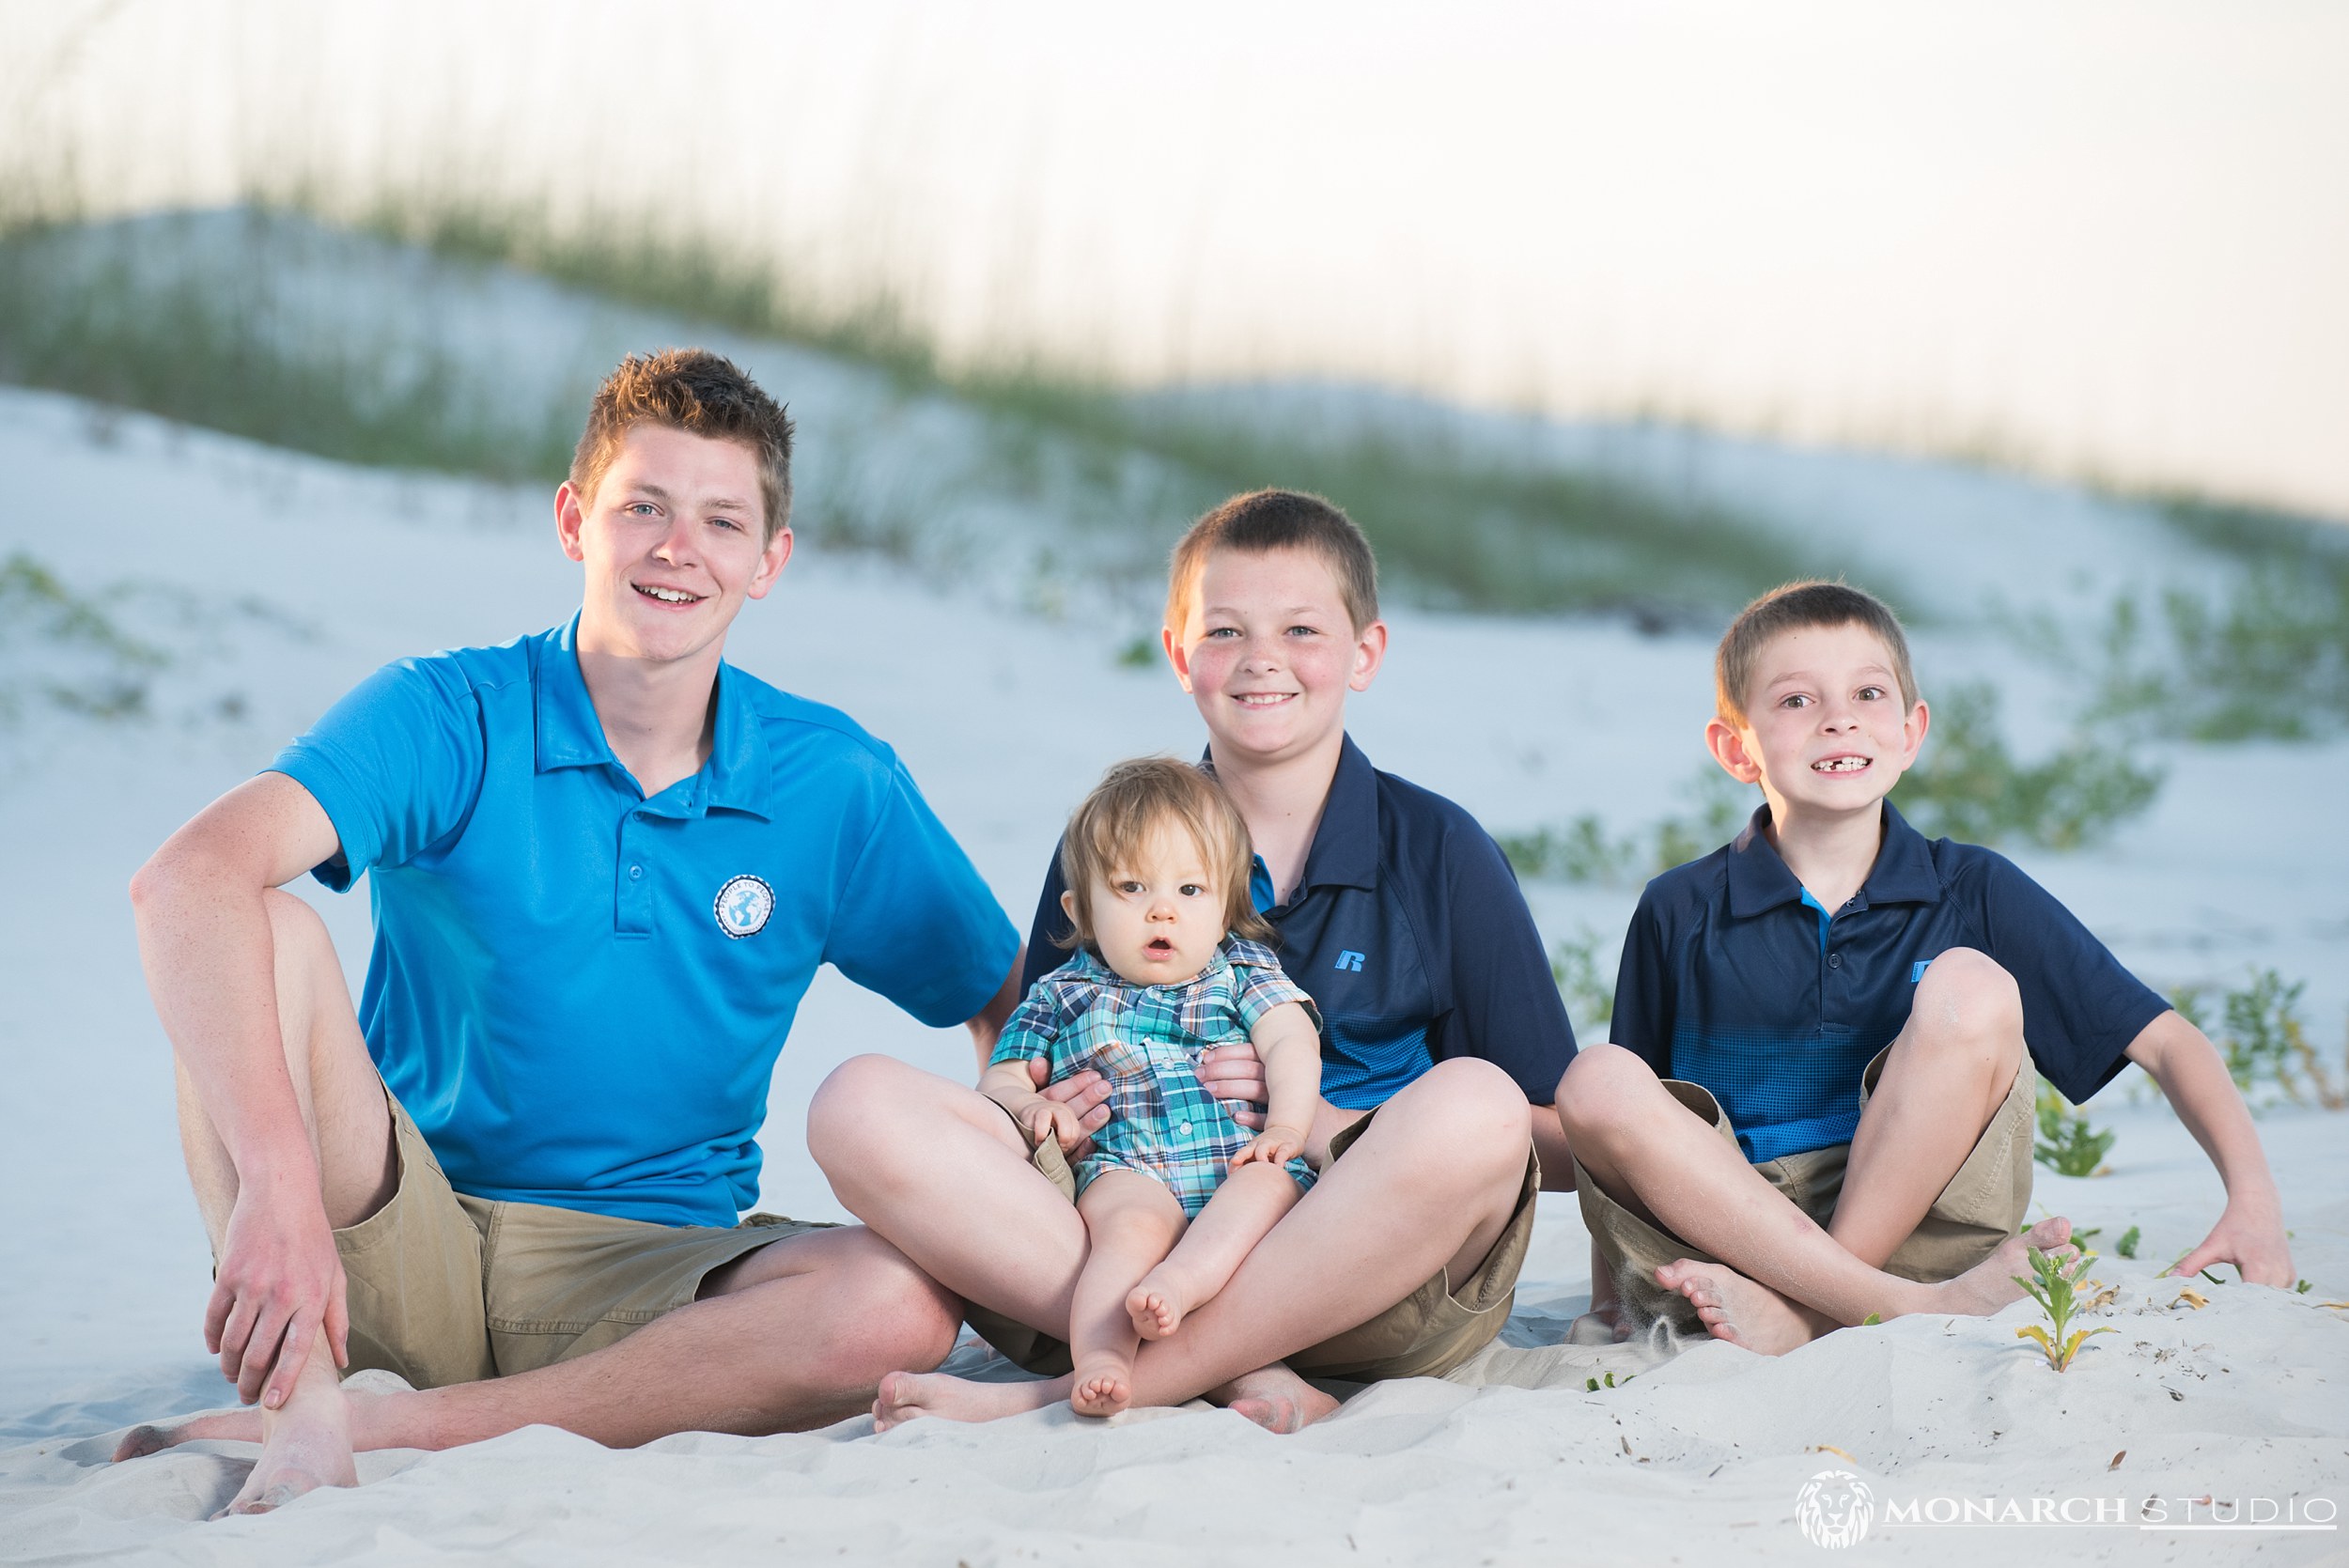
(743, 905)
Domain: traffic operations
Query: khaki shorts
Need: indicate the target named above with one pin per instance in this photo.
(1426, 1334)
(1981, 1207)
(448, 1288)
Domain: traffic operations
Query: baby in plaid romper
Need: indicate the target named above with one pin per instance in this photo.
(1174, 1192)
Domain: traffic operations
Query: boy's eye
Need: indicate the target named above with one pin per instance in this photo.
(1871, 693)
(1794, 699)
(1126, 886)
(727, 522)
(1223, 632)
(1303, 632)
(1192, 889)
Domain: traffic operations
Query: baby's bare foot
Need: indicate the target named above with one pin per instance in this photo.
(1741, 1311)
(905, 1396)
(1102, 1385)
(1159, 1303)
(1276, 1399)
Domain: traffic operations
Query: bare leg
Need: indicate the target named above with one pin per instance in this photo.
(1429, 1185)
(800, 1339)
(1249, 1203)
(1947, 1075)
(1133, 1219)
(1648, 1152)
(796, 1335)
(305, 1443)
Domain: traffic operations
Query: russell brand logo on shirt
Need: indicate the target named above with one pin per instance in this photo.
(743, 905)
(1350, 960)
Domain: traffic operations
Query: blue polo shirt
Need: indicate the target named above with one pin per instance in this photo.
(1410, 934)
(578, 992)
(1734, 979)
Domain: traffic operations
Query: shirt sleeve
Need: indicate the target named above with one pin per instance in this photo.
(396, 763)
(1050, 928)
(2081, 1009)
(1034, 1025)
(915, 921)
(1505, 1002)
(1642, 1021)
(1259, 984)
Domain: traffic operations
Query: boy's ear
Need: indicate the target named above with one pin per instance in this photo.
(570, 517)
(1913, 730)
(1068, 904)
(1176, 655)
(1370, 651)
(1727, 743)
(771, 560)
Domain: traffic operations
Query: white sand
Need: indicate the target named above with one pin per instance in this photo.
(102, 1266)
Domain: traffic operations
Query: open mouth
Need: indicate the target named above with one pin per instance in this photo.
(1840, 764)
(1158, 947)
(667, 596)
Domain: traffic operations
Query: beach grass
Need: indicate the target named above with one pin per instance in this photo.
(95, 309)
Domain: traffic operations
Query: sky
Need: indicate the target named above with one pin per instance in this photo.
(2096, 239)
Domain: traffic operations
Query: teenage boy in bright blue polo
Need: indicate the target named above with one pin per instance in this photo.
(1444, 1034)
(604, 866)
(1818, 1103)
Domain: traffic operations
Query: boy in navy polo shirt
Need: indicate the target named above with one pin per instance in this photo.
(1399, 916)
(604, 864)
(1818, 1105)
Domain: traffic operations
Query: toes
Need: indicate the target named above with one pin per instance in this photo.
(139, 1442)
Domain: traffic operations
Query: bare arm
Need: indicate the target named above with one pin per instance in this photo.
(1289, 1046)
(986, 1024)
(204, 944)
(2250, 1230)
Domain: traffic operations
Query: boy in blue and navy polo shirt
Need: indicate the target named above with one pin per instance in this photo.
(1827, 1033)
(603, 866)
(1400, 917)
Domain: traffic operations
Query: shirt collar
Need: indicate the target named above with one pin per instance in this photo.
(1759, 880)
(1345, 851)
(568, 734)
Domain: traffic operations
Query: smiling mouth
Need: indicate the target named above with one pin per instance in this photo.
(1263, 699)
(1840, 764)
(667, 596)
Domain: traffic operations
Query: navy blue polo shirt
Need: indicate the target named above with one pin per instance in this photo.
(1734, 979)
(578, 991)
(1410, 934)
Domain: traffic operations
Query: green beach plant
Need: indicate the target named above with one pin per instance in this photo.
(1588, 989)
(1968, 785)
(2055, 1286)
(2265, 1040)
(2067, 1144)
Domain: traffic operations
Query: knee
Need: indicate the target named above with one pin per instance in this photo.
(862, 1093)
(1964, 995)
(896, 1318)
(1473, 1109)
(1605, 1087)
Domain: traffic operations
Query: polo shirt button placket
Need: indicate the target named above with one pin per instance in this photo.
(632, 903)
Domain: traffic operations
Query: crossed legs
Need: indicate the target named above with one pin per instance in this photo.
(1430, 1184)
(1783, 1280)
(792, 1336)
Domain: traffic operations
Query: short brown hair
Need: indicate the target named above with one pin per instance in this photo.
(1133, 799)
(1265, 520)
(698, 392)
(1794, 608)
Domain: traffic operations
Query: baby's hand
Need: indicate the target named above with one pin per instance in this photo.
(1275, 1145)
(1044, 1119)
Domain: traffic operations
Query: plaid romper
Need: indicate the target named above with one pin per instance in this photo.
(1146, 1040)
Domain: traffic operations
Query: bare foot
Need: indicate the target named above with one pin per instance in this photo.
(909, 1395)
(306, 1446)
(1275, 1399)
(1991, 1283)
(1741, 1311)
(1102, 1385)
(230, 1426)
(1158, 1304)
